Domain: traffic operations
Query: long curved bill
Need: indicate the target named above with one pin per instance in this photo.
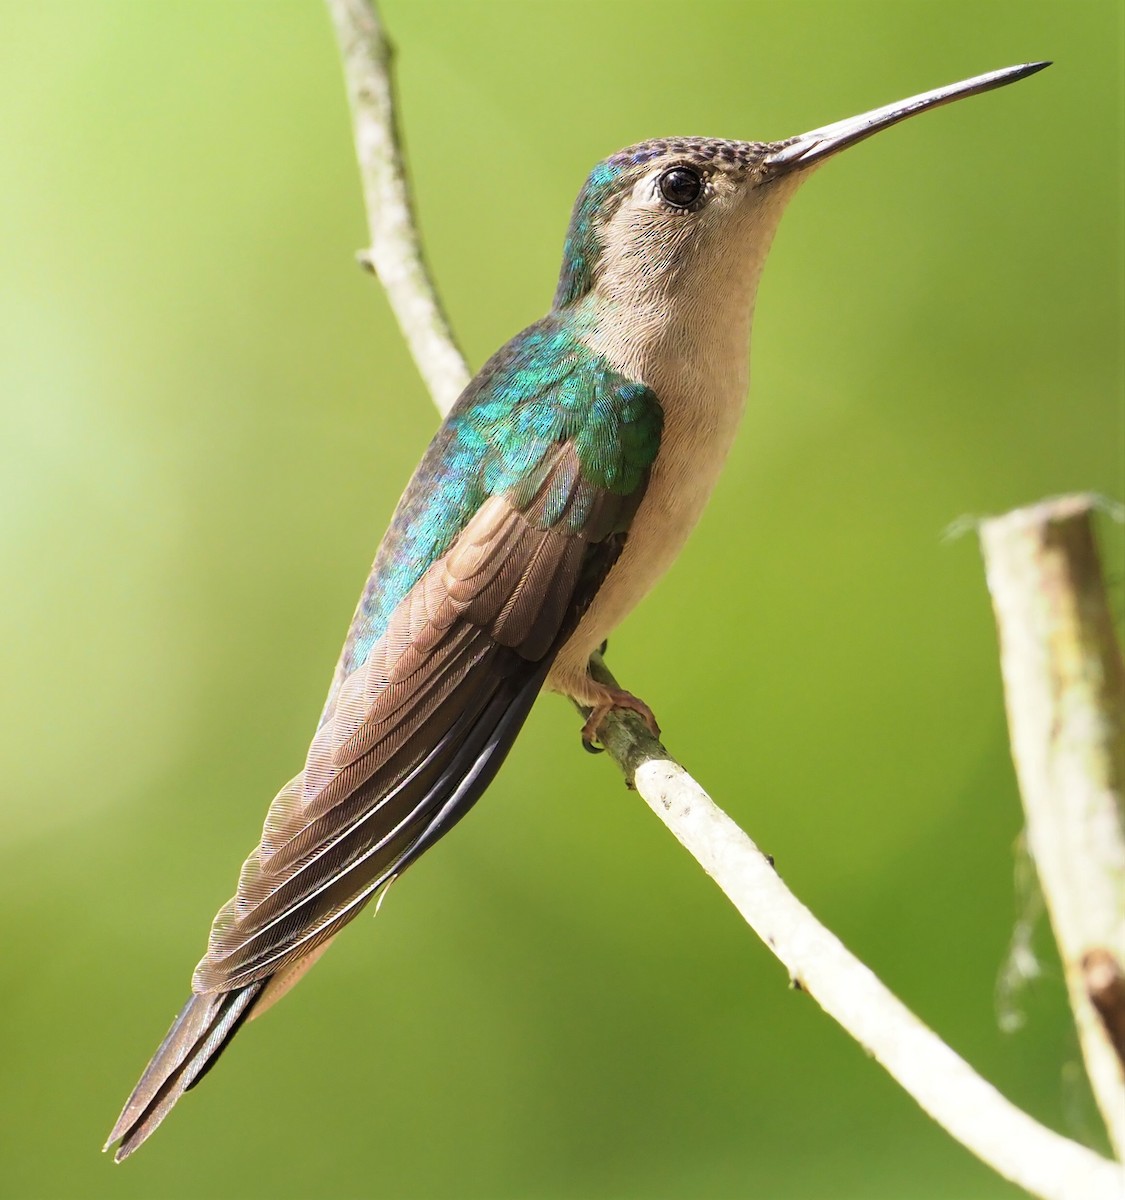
(818, 144)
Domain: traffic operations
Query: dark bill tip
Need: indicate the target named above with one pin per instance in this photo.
(818, 144)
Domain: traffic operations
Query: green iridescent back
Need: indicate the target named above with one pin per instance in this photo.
(542, 388)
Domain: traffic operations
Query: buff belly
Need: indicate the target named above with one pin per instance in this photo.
(683, 477)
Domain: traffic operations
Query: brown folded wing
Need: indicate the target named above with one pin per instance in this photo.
(414, 728)
(415, 735)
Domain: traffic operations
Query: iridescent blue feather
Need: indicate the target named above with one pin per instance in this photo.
(542, 388)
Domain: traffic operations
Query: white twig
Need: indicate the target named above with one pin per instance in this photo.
(1065, 692)
(1019, 1148)
(966, 1106)
(395, 253)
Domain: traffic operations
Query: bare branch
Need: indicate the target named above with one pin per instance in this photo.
(942, 1083)
(395, 254)
(970, 1109)
(1065, 689)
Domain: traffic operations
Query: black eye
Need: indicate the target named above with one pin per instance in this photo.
(681, 186)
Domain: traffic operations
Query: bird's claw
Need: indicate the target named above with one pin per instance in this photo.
(611, 699)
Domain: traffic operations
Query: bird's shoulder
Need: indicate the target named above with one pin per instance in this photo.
(542, 388)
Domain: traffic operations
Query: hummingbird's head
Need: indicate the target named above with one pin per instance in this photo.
(651, 212)
(680, 218)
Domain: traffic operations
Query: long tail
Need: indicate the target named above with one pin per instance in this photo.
(198, 1036)
(209, 1020)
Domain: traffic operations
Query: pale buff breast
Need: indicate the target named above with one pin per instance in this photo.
(686, 335)
(703, 397)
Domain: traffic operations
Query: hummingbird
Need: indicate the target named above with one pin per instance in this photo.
(560, 487)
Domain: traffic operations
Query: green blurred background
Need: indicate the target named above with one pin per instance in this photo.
(207, 415)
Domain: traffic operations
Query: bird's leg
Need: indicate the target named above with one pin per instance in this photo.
(604, 700)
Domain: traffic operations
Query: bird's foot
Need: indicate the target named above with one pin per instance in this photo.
(607, 700)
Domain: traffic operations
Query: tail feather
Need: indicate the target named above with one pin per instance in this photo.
(209, 1020)
(199, 1034)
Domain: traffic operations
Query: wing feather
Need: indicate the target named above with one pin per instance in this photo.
(409, 740)
(408, 728)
